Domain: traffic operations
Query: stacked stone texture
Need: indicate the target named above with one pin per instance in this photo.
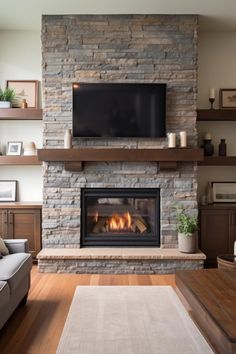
(139, 48)
(117, 266)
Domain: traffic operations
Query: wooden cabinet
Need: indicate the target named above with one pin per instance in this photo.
(20, 220)
(217, 230)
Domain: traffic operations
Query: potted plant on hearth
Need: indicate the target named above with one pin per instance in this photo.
(187, 231)
(6, 97)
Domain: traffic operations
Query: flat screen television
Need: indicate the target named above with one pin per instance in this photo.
(119, 110)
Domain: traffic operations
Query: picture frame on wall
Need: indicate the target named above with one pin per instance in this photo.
(227, 98)
(224, 192)
(24, 90)
(8, 191)
(14, 148)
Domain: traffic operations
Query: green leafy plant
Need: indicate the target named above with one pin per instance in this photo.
(187, 224)
(7, 94)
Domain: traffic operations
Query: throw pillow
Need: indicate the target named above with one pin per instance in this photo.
(3, 248)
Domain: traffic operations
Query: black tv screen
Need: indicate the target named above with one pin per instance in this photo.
(119, 110)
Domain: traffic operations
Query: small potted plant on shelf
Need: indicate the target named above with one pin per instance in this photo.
(187, 231)
(6, 97)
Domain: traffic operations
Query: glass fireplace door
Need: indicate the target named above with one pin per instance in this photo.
(120, 217)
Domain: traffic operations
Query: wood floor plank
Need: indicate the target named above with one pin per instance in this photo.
(37, 327)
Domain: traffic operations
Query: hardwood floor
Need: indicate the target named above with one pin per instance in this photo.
(37, 327)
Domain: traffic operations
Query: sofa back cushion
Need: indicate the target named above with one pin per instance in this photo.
(3, 248)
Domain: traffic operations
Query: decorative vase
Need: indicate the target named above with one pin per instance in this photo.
(187, 242)
(68, 139)
(222, 147)
(208, 147)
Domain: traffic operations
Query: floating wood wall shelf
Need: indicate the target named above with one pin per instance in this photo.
(74, 158)
(21, 113)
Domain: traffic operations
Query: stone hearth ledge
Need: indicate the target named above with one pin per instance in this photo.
(117, 260)
(118, 253)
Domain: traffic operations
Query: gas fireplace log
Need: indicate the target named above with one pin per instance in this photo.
(99, 225)
(140, 224)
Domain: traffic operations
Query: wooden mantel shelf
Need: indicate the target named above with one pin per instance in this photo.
(73, 158)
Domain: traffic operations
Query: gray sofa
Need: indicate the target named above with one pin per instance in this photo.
(14, 277)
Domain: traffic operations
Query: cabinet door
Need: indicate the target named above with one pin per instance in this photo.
(4, 224)
(26, 223)
(215, 233)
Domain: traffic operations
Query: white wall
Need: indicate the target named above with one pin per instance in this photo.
(20, 59)
(217, 68)
(216, 64)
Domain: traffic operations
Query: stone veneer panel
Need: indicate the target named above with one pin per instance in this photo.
(140, 266)
(122, 48)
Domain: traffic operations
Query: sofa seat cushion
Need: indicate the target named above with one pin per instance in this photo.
(4, 294)
(14, 267)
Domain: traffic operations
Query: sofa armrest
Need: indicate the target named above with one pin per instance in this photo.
(17, 245)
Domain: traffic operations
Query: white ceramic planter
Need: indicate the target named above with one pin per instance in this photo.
(187, 243)
(5, 104)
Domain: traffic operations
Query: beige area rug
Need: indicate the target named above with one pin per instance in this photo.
(129, 320)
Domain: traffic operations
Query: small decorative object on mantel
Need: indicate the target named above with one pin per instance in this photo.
(212, 97)
(24, 104)
(187, 231)
(7, 191)
(222, 148)
(30, 149)
(183, 139)
(227, 98)
(24, 89)
(68, 139)
(207, 145)
(224, 192)
(171, 140)
(14, 148)
(6, 97)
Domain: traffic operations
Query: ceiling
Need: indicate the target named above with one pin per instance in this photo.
(215, 15)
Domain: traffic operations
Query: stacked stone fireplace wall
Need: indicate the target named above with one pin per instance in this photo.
(124, 48)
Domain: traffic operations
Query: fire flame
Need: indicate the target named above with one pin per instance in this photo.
(120, 222)
(96, 217)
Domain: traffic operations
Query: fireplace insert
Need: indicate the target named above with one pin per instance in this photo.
(120, 217)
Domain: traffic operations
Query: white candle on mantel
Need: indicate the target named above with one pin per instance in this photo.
(212, 93)
(171, 140)
(183, 139)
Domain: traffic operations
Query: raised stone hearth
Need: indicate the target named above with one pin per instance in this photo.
(118, 260)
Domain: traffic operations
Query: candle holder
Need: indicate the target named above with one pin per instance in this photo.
(212, 100)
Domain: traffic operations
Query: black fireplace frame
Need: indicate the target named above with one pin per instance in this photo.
(120, 241)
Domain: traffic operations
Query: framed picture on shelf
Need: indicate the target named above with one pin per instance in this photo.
(24, 90)
(7, 191)
(14, 148)
(228, 98)
(224, 192)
